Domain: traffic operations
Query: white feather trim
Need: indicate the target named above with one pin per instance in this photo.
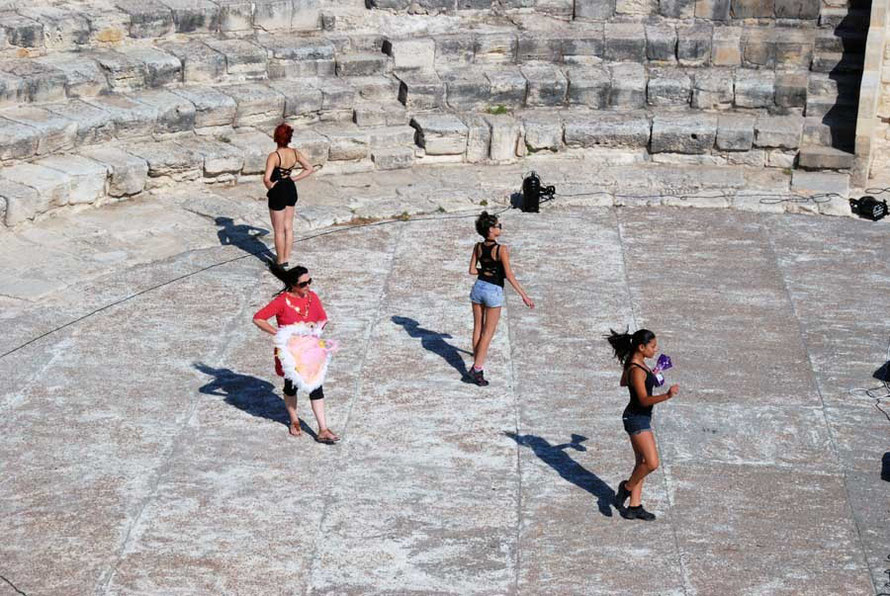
(288, 364)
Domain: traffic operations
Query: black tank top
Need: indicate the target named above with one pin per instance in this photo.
(634, 406)
(280, 173)
(490, 270)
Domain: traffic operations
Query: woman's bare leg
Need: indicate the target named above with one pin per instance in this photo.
(478, 321)
(646, 454)
(290, 404)
(288, 232)
(279, 232)
(318, 409)
(491, 317)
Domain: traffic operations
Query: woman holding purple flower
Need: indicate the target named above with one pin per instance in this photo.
(632, 350)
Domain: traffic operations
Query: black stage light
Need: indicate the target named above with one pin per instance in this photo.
(533, 193)
(869, 207)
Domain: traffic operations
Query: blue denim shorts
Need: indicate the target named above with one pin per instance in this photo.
(487, 294)
(636, 423)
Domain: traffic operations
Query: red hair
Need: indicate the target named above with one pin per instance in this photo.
(283, 134)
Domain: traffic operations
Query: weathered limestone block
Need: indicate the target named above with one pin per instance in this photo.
(474, 4)
(755, 158)
(39, 82)
(507, 86)
(778, 131)
(791, 89)
(608, 130)
(539, 46)
(212, 107)
(506, 133)
(712, 89)
(759, 48)
(63, 29)
(337, 97)
(94, 125)
(296, 15)
(362, 64)
(754, 88)
(735, 132)
(53, 186)
(375, 114)
(131, 118)
(347, 142)
(159, 68)
(83, 77)
(394, 158)
(254, 147)
(194, 15)
(456, 49)
(244, 60)
(594, 9)
(726, 46)
(375, 88)
(752, 9)
(797, 9)
(168, 161)
(547, 86)
(589, 86)
(123, 73)
(86, 177)
(495, 48)
(222, 160)
(555, 8)
(257, 104)
(683, 133)
(128, 173)
(412, 53)
(794, 47)
(478, 138)
(694, 44)
(542, 131)
(440, 134)
(780, 158)
(628, 90)
(636, 7)
(12, 90)
(235, 15)
(669, 87)
(175, 113)
(21, 31)
(291, 56)
(311, 144)
(390, 4)
(54, 132)
(200, 63)
(677, 9)
(466, 89)
(584, 45)
(17, 141)
(712, 10)
(625, 41)
(301, 100)
(22, 202)
(148, 18)
(661, 43)
(421, 90)
(391, 136)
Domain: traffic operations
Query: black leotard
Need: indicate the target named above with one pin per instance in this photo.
(635, 407)
(284, 193)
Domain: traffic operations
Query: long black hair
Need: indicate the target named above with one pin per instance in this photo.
(289, 277)
(624, 344)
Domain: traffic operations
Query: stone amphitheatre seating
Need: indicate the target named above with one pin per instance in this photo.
(103, 99)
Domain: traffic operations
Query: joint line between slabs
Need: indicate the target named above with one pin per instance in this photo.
(356, 393)
(665, 477)
(833, 441)
(517, 419)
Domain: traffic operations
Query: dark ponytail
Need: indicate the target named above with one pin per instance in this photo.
(485, 222)
(625, 343)
(289, 277)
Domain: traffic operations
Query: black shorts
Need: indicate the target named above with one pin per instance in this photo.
(282, 195)
(290, 389)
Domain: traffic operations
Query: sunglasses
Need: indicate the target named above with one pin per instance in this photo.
(498, 226)
(303, 284)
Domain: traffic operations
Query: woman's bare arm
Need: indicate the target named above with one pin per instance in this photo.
(271, 162)
(265, 326)
(308, 168)
(638, 382)
(504, 256)
(473, 260)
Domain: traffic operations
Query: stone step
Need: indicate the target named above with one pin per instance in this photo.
(376, 113)
(35, 28)
(830, 131)
(362, 64)
(856, 19)
(841, 40)
(816, 157)
(822, 105)
(836, 62)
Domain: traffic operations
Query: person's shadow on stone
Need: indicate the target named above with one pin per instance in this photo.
(244, 236)
(434, 342)
(556, 457)
(247, 393)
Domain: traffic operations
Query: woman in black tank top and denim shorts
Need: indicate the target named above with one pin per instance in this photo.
(632, 351)
(490, 262)
(282, 192)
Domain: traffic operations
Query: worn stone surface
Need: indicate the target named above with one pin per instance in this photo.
(347, 142)
(244, 59)
(547, 85)
(542, 130)
(625, 42)
(735, 132)
(608, 130)
(17, 141)
(726, 46)
(131, 118)
(212, 108)
(754, 88)
(53, 132)
(778, 131)
(160, 68)
(694, 44)
(293, 56)
(683, 133)
(594, 9)
(505, 136)
(175, 113)
(254, 147)
(94, 125)
(86, 177)
(661, 43)
(200, 63)
(83, 76)
(39, 82)
(419, 54)
(712, 89)
(21, 202)
(257, 104)
(222, 161)
(440, 134)
(52, 185)
(421, 90)
(467, 89)
(668, 87)
(589, 86)
(628, 89)
(507, 86)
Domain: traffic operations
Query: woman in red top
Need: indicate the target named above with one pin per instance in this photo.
(296, 303)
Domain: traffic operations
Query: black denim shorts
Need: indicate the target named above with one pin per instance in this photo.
(291, 389)
(636, 423)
